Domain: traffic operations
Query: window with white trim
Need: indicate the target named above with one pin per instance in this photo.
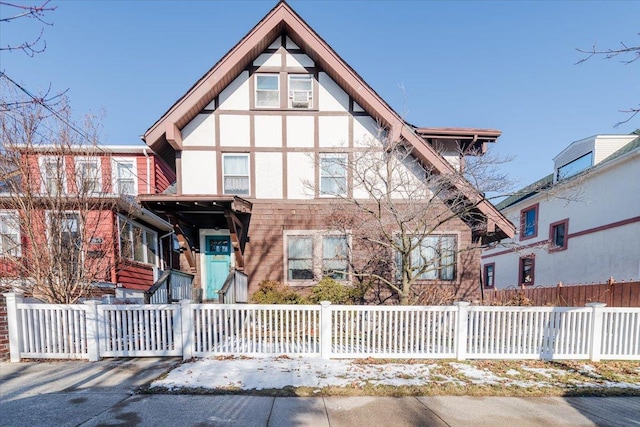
(137, 243)
(434, 257)
(52, 175)
(268, 90)
(124, 177)
(9, 233)
(333, 174)
(235, 174)
(88, 179)
(65, 238)
(300, 91)
(312, 255)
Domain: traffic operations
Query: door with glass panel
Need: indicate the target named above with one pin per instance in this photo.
(217, 264)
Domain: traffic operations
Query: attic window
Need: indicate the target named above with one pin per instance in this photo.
(267, 90)
(575, 166)
(300, 91)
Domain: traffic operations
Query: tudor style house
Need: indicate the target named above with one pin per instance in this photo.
(259, 144)
(80, 202)
(578, 225)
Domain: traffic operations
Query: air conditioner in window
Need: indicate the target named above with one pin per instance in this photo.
(300, 99)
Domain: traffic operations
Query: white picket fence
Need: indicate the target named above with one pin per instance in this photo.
(93, 330)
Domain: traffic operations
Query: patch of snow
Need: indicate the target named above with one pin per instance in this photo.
(276, 373)
(476, 375)
(545, 372)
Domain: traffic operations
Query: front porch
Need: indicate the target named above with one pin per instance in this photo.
(212, 232)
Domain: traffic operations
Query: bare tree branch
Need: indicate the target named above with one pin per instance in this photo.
(38, 45)
(630, 55)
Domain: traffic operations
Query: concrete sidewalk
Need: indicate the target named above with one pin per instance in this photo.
(102, 394)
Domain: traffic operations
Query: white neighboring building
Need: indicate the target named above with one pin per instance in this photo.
(579, 225)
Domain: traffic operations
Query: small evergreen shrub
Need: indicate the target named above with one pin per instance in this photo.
(274, 292)
(329, 289)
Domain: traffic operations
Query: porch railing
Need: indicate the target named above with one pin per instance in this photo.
(172, 286)
(235, 288)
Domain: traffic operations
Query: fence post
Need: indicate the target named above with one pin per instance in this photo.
(15, 328)
(185, 331)
(325, 329)
(461, 329)
(93, 331)
(596, 329)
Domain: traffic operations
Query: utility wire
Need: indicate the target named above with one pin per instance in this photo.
(84, 135)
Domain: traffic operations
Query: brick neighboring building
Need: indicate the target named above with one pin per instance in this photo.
(256, 126)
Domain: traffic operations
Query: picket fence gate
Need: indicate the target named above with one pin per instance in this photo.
(93, 330)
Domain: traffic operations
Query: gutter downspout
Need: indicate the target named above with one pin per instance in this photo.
(146, 154)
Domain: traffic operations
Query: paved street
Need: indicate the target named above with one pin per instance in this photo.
(102, 394)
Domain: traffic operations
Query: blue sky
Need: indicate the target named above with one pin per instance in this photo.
(501, 65)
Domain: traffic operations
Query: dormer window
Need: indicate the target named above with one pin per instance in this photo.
(267, 90)
(300, 91)
(575, 166)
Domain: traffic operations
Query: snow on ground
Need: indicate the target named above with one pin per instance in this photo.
(279, 372)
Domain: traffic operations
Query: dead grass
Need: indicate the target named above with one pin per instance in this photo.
(517, 378)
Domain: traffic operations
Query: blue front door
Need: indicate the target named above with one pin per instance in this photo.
(217, 263)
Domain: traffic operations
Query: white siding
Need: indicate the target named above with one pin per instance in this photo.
(300, 131)
(201, 131)
(596, 200)
(236, 95)
(331, 97)
(268, 131)
(234, 131)
(300, 169)
(334, 131)
(609, 144)
(268, 175)
(199, 172)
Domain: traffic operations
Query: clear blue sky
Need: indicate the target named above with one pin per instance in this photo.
(502, 65)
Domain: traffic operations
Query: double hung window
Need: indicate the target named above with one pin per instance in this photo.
(88, 176)
(489, 276)
(527, 270)
(138, 243)
(268, 90)
(9, 233)
(558, 235)
(313, 255)
(124, 177)
(235, 171)
(52, 174)
(529, 222)
(434, 257)
(333, 174)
